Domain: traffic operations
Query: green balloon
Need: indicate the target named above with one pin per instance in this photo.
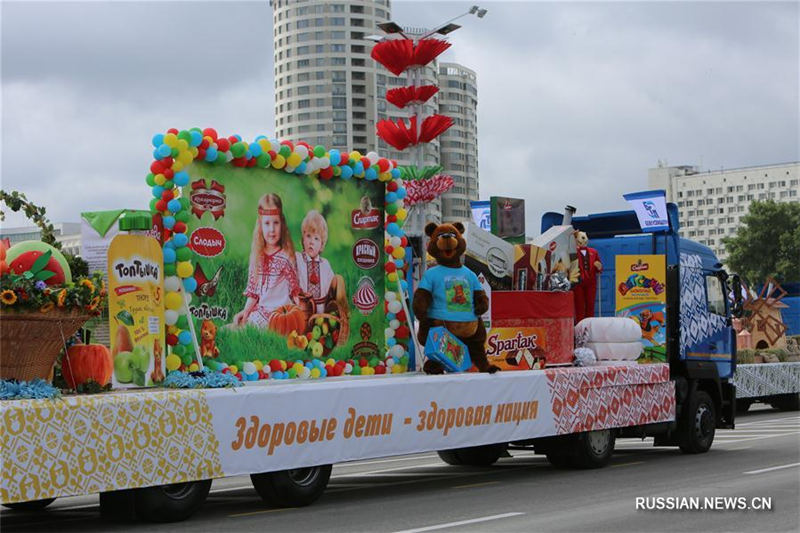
(184, 254)
(185, 135)
(264, 160)
(238, 149)
(187, 359)
(168, 185)
(292, 373)
(319, 150)
(391, 209)
(153, 205)
(150, 179)
(285, 151)
(179, 350)
(175, 152)
(169, 269)
(356, 370)
(183, 322)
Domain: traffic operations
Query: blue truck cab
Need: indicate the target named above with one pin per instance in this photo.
(700, 340)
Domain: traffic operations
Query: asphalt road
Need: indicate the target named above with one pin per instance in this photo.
(759, 462)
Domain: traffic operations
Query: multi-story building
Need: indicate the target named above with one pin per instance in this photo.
(67, 233)
(329, 91)
(458, 99)
(712, 203)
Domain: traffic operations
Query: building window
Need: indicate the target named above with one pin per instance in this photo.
(339, 102)
(336, 21)
(302, 104)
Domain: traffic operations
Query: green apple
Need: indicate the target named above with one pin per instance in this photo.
(140, 358)
(316, 332)
(316, 351)
(122, 367)
(319, 321)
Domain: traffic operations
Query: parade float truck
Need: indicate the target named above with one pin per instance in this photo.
(334, 380)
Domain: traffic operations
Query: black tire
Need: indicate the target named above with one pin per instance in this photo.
(171, 503)
(475, 456)
(34, 505)
(787, 402)
(698, 424)
(593, 449)
(743, 405)
(292, 488)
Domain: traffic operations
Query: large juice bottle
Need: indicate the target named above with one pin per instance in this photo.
(136, 304)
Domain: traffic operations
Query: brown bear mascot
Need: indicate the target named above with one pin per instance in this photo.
(450, 295)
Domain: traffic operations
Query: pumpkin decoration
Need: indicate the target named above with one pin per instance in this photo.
(287, 318)
(3, 264)
(85, 362)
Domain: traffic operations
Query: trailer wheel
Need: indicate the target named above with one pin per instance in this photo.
(697, 427)
(593, 449)
(787, 402)
(475, 456)
(292, 488)
(170, 503)
(560, 460)
(34, 505)
(743, 405)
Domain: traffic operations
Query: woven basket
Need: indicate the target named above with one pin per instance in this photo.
(31, 342)
(344, 328)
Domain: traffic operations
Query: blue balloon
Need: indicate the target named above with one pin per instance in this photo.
(393, 229)
(155, 154)
(334, 156)
(158, 139)
(358, 168)
(164, 151)
(301, 168)
(261, 137)
(169, 244)
(401, 192)
(390, 197)
(238, 137)
(169, 255)
(322, 372)
(256, 150)
(390, 316)
(180, 240)
(211, 154)
(398, 262)
(190, 284)
(196, 139)
(184, 337)
(404, 285)
(390, 342)
(169, 222)
(371, 174)
(396, 173)
(174, 205)
(158, 190)
(347, 172)
(181, 178)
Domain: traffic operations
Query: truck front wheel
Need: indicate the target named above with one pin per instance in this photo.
(297, 487)
(475, 456)
(170, 503)
(698, 425)
(787, 402)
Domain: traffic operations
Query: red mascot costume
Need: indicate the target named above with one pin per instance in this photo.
(586, 289)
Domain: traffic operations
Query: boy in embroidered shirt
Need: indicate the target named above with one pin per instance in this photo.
(272, 276)
(314, 271)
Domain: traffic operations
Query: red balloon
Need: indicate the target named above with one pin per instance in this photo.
(239, 161)
(380, 369)
(161, 205)
(345, 159)
(326, 173)
(232, 139)
(404, 241)
(390, 267)
(251, 162)
(366, 162)
(156, 167)
(172, 340)
(391, 218)
(179, 227)
(402, 332)
(168, 173)
(201, 153)
(391, 186)
(401, 316)
(210, 132)
(275, 365)
(223, 145)
(389, 249)
(272, 154)
(204, 143)
(383, 164)
(363, 362)
(172, 131)
(167, 195)
(289, 144)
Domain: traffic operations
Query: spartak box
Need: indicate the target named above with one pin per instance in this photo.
(552, 251)
(489, 255)
(531, 329)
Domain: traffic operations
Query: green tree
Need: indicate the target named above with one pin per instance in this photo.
(767, 243)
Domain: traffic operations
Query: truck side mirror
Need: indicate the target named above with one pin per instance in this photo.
(737, 310)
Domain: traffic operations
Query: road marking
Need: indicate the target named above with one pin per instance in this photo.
(476, 485)
(461, 523)
(781, 467)
(265, 511)
(627, 464)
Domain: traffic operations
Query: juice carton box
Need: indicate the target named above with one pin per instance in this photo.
(445, 348)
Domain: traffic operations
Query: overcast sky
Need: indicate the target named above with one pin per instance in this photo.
(575, 100)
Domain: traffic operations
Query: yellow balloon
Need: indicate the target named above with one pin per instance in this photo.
(384, 176)
(258, 364)
(398, 253)
(294, 160)
(173, 362)
(401, 214)
(194, 151)
(176, 193)
(392, 276)
(172, 330)
(173, 301)
(355, 156)
(193, 367)
(279, 161)
(265, 145)
(171, 140)
(177, 166)
(209, 140)
(182, 145)
(160, 179)
(184, 269)
(233, 368)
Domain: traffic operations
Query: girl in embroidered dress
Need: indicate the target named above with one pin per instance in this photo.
(272, 276)
(314, 271)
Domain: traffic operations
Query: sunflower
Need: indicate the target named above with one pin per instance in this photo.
(46, 308)
(87, 283)
(8, 297)
(62, 297)
(93, 304)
